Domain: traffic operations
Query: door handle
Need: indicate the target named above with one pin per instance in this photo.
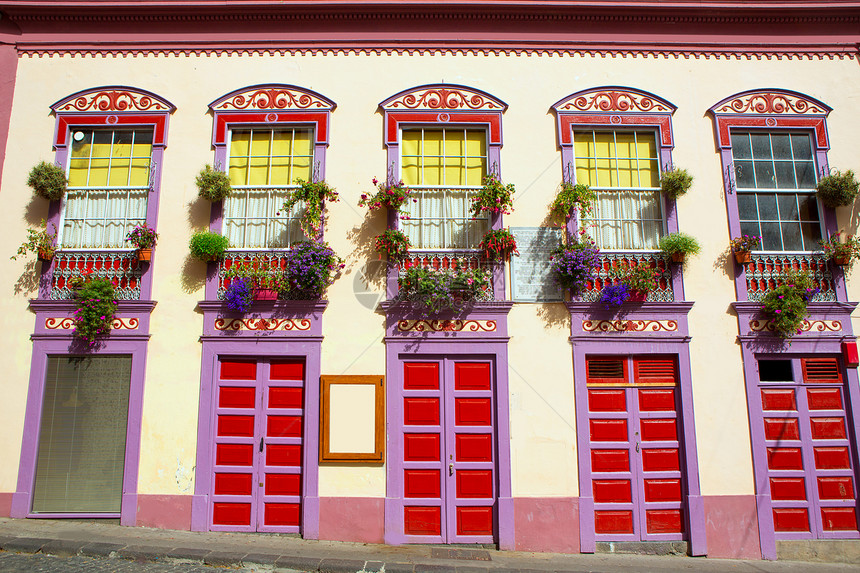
(450, 469)
(261, 445)
(637, 448)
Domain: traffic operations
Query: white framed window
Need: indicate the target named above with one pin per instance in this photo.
(775, 176)
(443, 166)
(623, 167)
(264, 165)
(109, 185)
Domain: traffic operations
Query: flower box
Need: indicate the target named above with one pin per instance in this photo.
(743, 257)
(144, 255)
(45, 254)
(842, 260)
(265, 294)
(638, 295)
(678, 257)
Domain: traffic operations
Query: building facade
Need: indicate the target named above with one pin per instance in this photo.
(528, 419)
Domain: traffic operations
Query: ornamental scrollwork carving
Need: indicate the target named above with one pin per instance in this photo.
(806, 326)
(446, 325)
(65, 323)
(630, 325)
(113, 100)
(262, 324)
(444, 98)
(615, 101)
(771, 103)
(273, 98)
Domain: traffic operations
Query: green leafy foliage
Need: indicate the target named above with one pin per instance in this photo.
(839, 189)
(679, 243)
(841, 247)
(579, 197)
(498, 244)
(312, 195)
(213, 184)
(675, 182)
(48, 181)
(393, 244)
(438, 290)
(208, 246)
(785, 306)
(640, 277)
(96, 310)
(494, 197)
(40, 242)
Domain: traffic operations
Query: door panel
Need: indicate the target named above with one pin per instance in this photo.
(258, 446)
(449, 475)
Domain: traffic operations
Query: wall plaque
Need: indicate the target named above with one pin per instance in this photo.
(531, 279)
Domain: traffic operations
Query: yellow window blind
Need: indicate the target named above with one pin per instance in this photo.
(270, 157)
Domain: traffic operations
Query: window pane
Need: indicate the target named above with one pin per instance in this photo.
(750, 228)
(805, 171)
(240, 143)
(785, 175)
(747, 206)
(801, 147)
(81, 457)
(788, 208)
(744, 174)
(771, 240)
(767, 207)
(781, 146)
(811, 235)
(741, 146)
(791, 237)
(764, 175)
(78, 171)
(808, 207)
(761, 146)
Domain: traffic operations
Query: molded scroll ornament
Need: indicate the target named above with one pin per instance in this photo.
(630, 325)
(103, 100)
(807, 326)
(235, 324)
(64, 323)
(771, 103)
(446, 325)
(447, 97)
(272, 97)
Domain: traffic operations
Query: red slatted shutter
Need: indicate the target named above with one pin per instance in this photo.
(822, 370)
(655, 371)
(609, 370)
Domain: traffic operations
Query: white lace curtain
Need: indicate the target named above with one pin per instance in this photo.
(101, 218)
(440, 219)
(628, 220)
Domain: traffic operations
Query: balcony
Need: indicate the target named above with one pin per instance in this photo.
(763, 270)
(120, 267)
(608, 261)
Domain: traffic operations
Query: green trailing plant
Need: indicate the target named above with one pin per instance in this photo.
(312, 195)
(838, 190)
(675, 182)
(48, 181)
(494, 197)
(498, 244)
(208, 246)
(393, 244)
(744, 243)
(96, 310)
(578, 197)
(679, 245)
(640, 277)
(213, 184)
(785, 306)
(437, 290)
(39, 242)
(842, 249)
(142, 237)
(257, 274)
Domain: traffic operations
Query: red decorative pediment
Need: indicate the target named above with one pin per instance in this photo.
(771, 102)
(111, 99)
(272, 97)
(613, 99)
(443, 97)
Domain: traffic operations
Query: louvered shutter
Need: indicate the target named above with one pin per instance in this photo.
(822, 370)
(608, 370)
(652, 370)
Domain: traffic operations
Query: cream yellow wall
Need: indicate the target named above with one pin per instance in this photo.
(541, 385)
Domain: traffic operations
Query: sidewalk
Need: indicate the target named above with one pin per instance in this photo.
(269, 551)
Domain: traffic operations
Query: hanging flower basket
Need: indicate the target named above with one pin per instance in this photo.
(743, 257)
(144, 255)
(678, 257)
(45, 254)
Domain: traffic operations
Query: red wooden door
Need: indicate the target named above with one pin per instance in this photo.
(257, 469)
(810, 458)
(637, 478)
(449, 461)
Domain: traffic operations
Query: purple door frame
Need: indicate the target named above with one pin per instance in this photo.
(669, 335)
(300, 338)
(408, 338)
(43, 346)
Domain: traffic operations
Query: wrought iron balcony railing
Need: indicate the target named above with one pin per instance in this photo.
(120, 267)
(469, 259)
(762, 273)
(608, 261)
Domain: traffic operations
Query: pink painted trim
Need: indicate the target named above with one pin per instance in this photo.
(164, 511)
(732, 527)
(8, 70)
(6, 504)
(547, 524)
(42, 348)
(356, 519)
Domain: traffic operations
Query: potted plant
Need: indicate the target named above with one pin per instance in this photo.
(640, 278)
(312, 194)
(743, 245)
(213, 184)
(389, 195)
(842, 249)
(208, 246)
(437, 290)
(675, 182)
(39, 242)
(612, 294)
(838, 190)
(143, 239)
(493, 197)
(48, 181)
(678, 246)
(393, 244)
(311, 267)
(262, 278)
(239, 296)
(96, 309)
(499, 244)
(572, 197)
(785, 306)
(575, 263)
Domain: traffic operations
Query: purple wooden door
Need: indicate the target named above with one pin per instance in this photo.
(258, 446)
(449, 462)
(635, 451)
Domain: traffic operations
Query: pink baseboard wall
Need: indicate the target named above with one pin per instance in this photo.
(360, 519)
(164, 511)
(546, 524)
(5, 504)
(732, 527)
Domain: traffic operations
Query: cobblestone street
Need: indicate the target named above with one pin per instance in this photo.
(35, 563)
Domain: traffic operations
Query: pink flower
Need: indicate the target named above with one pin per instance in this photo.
(778, 311)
